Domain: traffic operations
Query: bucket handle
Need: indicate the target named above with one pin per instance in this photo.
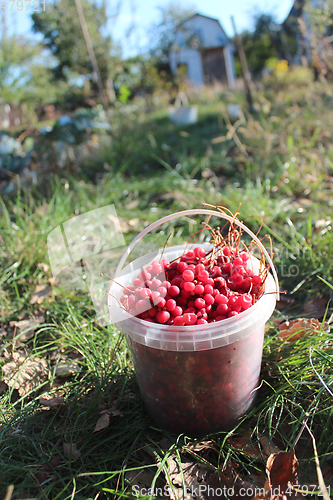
(192, 212)
(181, 100)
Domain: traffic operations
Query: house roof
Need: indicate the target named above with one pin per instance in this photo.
(206, 17)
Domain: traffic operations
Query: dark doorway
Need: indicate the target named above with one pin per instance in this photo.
(214, 66)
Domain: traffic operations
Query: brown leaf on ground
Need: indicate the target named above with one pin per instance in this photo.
(46, 470)
(268, 447)
(113, 412)
(40, 293)
(143, 478)
(315, 308)
(51, 402)
(102, 423)
(243, 443)
(281, 473)
(71, 452)
(66, 369)
(25, 374)
(284, 302)
(25, 329)
(297, 328)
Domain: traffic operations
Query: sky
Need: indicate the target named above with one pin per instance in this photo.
(142, 13)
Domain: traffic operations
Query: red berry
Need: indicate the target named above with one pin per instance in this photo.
(234, 304)
(177, 311)
(222, 308)
(155, 283)
(156, 267)
(190, 255)
(199, 253)
(165, 264)
(181, 266)
(209, 299)
(201, 321)
(141, 306)
(188, 275)
(199, 289)
(185, 294)
(176, 281)
(237, 278)
(181, 301)
(209, 289)
(191, 310)
(245, 285)
(227, 268)
(238, 262)
(152, 311)
(203, 276)
(145, 293)
(256, 280)
(199, 303)
(221, 299)
(190, 318)
(198, 269)
(131, 301)
(174, 291)
(137, 282)
(179, 321)
(170, 305)
(162, 316)
(245, 300)
(162, 291)
(189, 286)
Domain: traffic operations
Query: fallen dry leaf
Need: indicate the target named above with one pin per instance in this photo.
(51, 402)
(243, 443)
(143, 478)
(25, 373)
(67, 369)
(315, 308)
(113, 412)
(102, 423)
(25, 329)
(46, 469)
(40, 293)
(297, 328)
(281, 473)
(267, 447)
(71, 452)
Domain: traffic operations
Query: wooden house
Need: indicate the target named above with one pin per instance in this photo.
(204, 52)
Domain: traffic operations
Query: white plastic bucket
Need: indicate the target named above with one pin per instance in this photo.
(195, 379)
(181, 113)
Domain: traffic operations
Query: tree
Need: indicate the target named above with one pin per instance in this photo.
(61, 29)
(163, 32)
(24, 73)
(261, 44)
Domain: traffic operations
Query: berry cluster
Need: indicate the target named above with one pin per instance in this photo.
(200, 287)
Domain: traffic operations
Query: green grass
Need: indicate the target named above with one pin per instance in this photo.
(282, 178)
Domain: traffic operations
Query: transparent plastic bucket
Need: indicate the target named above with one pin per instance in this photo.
(195, 379)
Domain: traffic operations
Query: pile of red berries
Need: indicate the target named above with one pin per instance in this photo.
(199, 287)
